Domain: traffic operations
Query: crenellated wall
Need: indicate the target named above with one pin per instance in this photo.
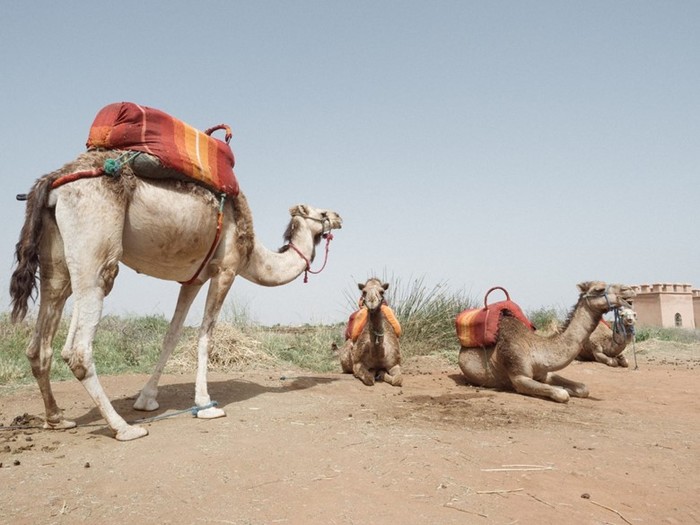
(667, 304)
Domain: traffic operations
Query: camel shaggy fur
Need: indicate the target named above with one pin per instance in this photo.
(376, 353)
(75, 235)
(524, 361)
(605, 345)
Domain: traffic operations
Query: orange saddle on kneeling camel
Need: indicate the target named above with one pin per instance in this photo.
(479, 326)
(358, 320)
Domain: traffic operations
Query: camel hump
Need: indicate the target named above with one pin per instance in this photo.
(179, 147)
(477, 327)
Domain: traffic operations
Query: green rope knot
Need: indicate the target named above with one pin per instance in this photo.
(112, 167)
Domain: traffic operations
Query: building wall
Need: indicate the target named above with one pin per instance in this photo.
(659, 304)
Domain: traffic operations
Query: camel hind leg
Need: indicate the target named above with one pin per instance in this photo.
(92, 234)
(54, 290)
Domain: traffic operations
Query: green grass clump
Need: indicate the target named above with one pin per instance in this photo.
(675, 335)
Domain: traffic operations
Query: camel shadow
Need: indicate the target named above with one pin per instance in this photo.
(179, 397)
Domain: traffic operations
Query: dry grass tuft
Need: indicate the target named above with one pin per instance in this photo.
(230, 349)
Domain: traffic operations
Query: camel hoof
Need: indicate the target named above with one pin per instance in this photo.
(560, 395)
(146, 404)
(63, 424)
(397, 381)
(129, 433)
(211, 413)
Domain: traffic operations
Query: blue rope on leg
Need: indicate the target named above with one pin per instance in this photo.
(195, 410)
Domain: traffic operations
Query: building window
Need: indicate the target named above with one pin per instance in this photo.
(679, 321)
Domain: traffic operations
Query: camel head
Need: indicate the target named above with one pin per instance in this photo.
(604, 297)
(628, 316)
(319, 222)
(372, 293)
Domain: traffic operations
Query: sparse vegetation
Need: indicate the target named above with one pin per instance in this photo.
(132, 344)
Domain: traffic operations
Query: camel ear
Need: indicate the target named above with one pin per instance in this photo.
(584, 286)
(385, 286)
(361, 286)
(299, 209)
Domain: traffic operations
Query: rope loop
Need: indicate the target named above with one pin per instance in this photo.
(195, 410)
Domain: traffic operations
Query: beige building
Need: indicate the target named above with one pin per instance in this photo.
(667, 305)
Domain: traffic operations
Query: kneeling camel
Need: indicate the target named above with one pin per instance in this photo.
(523, 360)
(374, 353)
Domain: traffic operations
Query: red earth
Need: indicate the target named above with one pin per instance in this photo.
(323, 448)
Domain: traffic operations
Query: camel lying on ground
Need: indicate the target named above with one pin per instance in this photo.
(76, 234)
(374, 353)
(606, 344)
(523, 360)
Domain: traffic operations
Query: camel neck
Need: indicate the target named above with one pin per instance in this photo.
(269, 268)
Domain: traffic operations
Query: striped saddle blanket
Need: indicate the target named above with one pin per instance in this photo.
(478, 327)
(358, 320)
(178, 146)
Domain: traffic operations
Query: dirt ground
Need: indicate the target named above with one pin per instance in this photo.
(323, 448)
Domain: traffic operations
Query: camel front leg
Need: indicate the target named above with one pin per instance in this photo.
(600, 356)
(147, 397)
(622, 361)
(218, 288)
(393, 376)
(530, 387)
(361, 372)
(574, 388)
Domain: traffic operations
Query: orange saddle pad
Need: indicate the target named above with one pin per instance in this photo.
(358, 320)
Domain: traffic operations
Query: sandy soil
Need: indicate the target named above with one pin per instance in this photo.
(326, 449)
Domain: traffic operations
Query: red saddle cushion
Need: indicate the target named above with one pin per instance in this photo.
(179, 146)
(479, 326)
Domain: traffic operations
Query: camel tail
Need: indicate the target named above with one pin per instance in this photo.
(23, 282)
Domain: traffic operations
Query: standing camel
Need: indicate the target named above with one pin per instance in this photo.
(523, 360)
(605, 345)
(76, 234)
(373, 352)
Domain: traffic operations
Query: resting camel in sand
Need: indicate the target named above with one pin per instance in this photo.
(375, 354)
(75, 235)
(605, 345)
(523, 361)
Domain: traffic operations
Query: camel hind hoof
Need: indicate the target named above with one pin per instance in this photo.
(129, 433)
(63, 424)
(146, 404)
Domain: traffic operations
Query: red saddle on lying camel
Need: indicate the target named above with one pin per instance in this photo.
(479, 326)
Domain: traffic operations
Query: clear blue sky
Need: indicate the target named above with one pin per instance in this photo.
(527, 144)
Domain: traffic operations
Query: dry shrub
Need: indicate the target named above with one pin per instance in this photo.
(230, 349)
